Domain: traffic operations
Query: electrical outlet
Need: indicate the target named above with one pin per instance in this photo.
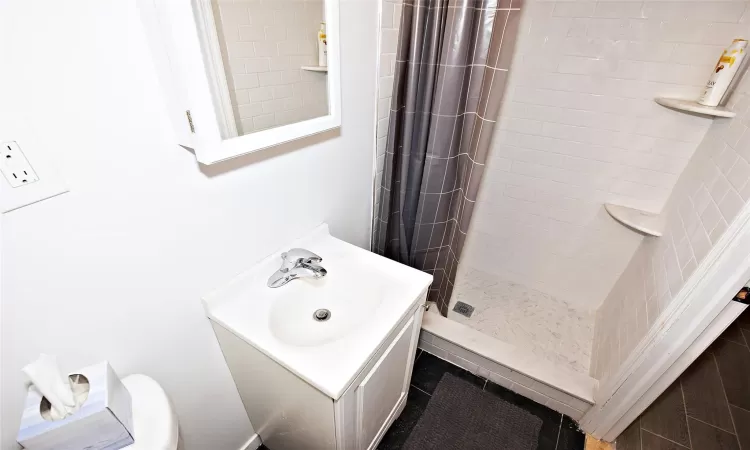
(14, 165)
(42, 179)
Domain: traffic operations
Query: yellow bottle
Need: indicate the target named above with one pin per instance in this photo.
(322, 46)
(722, 75)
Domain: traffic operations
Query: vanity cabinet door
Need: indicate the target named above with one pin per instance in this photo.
(380, 397)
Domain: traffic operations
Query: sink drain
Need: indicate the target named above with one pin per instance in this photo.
(322, 315)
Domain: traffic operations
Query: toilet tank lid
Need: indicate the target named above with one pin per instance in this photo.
(154, 420)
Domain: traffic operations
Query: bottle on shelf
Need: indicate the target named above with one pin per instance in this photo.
(725, 70)
(322, 46)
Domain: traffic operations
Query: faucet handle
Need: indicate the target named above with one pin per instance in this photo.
(297, 256)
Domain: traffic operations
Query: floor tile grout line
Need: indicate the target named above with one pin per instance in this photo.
(742, 335)
(726, 398)
(733, 433)
(684, 410)
(740, 407)
(421, 390)
(741, 344)
(640, 434)
(665, 438)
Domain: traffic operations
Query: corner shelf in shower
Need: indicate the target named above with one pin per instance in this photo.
(315, 68)
(642, 221)
(694, 107)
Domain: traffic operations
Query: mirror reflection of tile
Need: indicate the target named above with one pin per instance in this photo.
(264, 45)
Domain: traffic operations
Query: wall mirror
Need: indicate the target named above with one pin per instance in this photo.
(243, 75)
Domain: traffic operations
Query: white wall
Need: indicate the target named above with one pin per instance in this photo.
(264, 45)
(115, 268)
(579, 128)
(710, 193)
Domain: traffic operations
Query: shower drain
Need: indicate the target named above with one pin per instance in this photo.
(463, 308)
(322, 315)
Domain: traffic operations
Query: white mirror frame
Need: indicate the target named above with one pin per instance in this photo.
(195, 78)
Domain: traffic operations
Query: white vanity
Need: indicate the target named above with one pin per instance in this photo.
(322, 363)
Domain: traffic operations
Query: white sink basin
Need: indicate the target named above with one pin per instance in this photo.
(349, 302)
(366, 296)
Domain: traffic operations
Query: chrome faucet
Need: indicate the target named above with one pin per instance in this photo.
(297, 263)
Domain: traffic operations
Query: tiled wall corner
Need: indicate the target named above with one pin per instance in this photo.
(515, 381)
(579, 127)
(710, 193)
(390, 23)
(264, 44)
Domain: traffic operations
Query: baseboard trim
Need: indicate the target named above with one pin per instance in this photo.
(252, 444)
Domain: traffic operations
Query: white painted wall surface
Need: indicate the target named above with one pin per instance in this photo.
(115, 268)
(579, 128)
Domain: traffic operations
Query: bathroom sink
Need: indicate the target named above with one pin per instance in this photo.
(323, 330)
(343, 301)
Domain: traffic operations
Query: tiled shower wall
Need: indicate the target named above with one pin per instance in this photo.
(579, 127)
(390, 21)
(264, 44)
(707, 198)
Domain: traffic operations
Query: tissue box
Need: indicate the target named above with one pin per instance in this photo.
(104, 421)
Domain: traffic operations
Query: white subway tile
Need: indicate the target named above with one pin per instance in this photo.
(718, 231)
(618, 10)
(388, 41)
(253, 65)
(697, 55)
(250, 110)
(719, 189)
(386, 18)
(264, 121)
(715, 11)
(710, 216)
(250, 33)
(731, 205)
(384, 106)
(260, 94)
(245, 81)
(677, 73)
(574, 9)
(739, 174)
(264, 48)
(385, 89)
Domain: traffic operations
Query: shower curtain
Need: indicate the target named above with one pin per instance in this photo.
(452, 62)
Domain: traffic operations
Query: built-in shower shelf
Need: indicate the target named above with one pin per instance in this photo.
(642, 221)
(694, 107)
(315, 68)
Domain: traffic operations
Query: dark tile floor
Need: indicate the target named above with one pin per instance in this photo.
(708, 407)
(558, 432)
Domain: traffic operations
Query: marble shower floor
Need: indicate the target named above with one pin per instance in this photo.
(546, 326)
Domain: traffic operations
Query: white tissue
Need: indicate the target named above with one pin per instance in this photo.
(46, 377)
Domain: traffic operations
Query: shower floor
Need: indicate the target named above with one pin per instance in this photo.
(531, 320)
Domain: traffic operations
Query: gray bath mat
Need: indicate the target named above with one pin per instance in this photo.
(461, 416)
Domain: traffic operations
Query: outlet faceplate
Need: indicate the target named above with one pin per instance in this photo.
(42, 178)
(14, 165)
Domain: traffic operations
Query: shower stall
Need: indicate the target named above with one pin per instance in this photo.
(550, 295)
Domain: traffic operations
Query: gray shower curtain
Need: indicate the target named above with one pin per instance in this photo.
(452, 62)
